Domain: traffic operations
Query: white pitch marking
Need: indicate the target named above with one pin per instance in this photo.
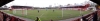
(41, 15)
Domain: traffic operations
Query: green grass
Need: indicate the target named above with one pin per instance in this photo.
(49, 14)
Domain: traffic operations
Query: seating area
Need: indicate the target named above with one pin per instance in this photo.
(6, 17)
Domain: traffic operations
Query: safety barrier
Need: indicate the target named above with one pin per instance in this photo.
(6, 17)
(90, 17)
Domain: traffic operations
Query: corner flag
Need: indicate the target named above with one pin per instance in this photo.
(38, 19)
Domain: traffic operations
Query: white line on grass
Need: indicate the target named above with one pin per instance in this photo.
(41, 15)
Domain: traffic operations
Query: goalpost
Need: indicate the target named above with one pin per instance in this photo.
(23, 11)
(14, 11)
(81, 14)
(62, 12)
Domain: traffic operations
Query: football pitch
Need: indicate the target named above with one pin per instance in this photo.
(47, 15)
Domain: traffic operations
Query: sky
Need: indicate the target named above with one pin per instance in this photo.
(44, 3)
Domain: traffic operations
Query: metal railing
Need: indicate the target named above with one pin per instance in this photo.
(6, 17)
(90, 17)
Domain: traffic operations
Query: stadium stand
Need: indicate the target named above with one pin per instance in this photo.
(20, 7)
(5, 17)
(95, 16)
(4, 9)
(78, 7)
